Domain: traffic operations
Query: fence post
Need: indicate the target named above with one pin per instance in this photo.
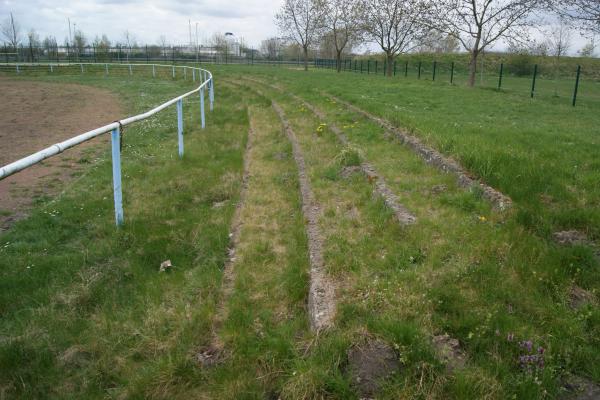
(361, 66)
(51, 69)
(375, 67)
(116, 167)
(394, 67)
(130, 72)
(18, 70)
(173, 72)
(153, 71)
(211, 93)
(184, 73)
(180, 125)
(576, 85)
(419, 76)
(500, 76)
(434, 68)
(81, 67)
(533, 82)
(368, 67)
(202, 107)
(106, 69)
(147, 59)
(452, 73)
(194, 74)
(406, 69)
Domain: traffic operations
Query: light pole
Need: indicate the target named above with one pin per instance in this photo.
(196, 42)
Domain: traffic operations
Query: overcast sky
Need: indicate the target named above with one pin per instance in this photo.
(149, 19)
(146, 19)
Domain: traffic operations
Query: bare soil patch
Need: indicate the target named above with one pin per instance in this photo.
(35, 115)
(369, 364)
(448, 349)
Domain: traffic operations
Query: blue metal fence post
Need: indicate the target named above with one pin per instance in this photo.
(116, 167)
(180, 125)
(211, 93)
(202, 107)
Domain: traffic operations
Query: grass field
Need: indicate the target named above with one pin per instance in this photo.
(86, 314)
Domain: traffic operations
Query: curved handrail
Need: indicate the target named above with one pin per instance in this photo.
(58, 148)
(115, 127)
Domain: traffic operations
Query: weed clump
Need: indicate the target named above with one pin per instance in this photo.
(350, 156)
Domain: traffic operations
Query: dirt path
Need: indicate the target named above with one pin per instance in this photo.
(433, 157)
(36, 115)
(403, 216)
(321, 296)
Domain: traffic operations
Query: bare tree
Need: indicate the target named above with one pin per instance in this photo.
(11, 31)
(79, 41)
(301, 22)
(34, 43)
(129, 40)
(271, 48)
(437, 42)
(585, 13)
(559, 42)
(477, 24)
(589, 49)
(220, 44)
(163, 43)
(51, 46)
(395, 25)
(342, 19)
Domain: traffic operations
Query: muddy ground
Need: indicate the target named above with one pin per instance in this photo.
(35, 115)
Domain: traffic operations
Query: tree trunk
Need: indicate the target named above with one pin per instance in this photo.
(305, 48)
(338, 63)
(390, 64)
(473, 67)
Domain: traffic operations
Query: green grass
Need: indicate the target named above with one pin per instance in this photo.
(451, 272)
(85, 312)
(87, 315)
(541, 152)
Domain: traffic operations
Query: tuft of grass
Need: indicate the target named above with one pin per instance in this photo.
(349, 156)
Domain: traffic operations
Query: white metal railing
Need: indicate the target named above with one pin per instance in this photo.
(198, 74)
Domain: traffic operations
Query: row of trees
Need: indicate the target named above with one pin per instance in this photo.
(11, 32)
(401, 26)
